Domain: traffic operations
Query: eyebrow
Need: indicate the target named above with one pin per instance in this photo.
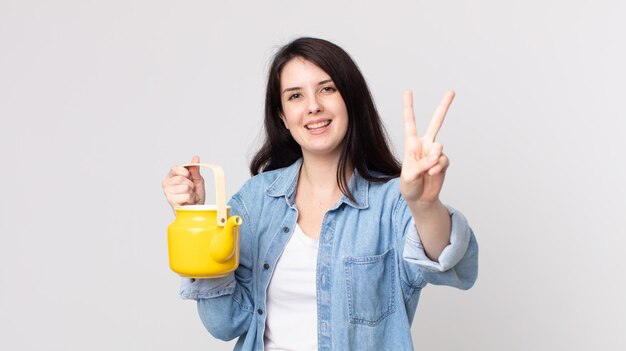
(297, 88)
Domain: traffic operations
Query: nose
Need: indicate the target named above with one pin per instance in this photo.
(315, 106)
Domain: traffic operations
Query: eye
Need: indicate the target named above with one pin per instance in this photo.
(329, 89)
(294, 96)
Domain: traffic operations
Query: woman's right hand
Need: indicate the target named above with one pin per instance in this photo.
(184, 185)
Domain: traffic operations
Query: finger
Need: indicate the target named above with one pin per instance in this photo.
(432, 150)
(439, 116)
(431, 159)
(410, 130)
(181, 199)
(176, 180)
(441, 166)
(195, 170)
(413, 170)
(187, 188)
(178, 171)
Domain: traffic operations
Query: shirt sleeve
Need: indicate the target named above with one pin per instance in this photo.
(225, 304)
(458, 262)
(194, 289)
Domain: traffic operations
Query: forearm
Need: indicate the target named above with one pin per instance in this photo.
(223, 316)
(224, 305)
(433, 225)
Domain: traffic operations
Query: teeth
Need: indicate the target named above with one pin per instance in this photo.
(318, 125)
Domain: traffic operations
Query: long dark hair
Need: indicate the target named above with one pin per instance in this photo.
(365, 145)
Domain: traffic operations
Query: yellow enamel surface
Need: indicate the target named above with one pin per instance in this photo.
(199, 248)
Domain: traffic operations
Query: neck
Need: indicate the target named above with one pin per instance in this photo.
(320, 173)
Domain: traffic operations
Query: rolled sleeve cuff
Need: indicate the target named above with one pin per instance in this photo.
(451, 254)
(194, 289)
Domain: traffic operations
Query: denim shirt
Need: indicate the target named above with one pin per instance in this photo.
(371, 265)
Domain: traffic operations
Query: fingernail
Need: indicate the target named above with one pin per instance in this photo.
(432, 158)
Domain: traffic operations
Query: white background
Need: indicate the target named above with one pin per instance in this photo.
(98, 99)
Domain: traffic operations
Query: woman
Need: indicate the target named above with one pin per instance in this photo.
(331, 258)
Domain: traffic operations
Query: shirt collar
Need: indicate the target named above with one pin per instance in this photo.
(285, 185)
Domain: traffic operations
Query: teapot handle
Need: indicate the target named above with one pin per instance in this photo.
(220, 191)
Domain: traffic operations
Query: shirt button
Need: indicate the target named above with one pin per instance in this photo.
(266, 266)
(259, 311)
(285, 230)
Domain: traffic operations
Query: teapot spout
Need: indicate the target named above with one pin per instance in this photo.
(233, 221)
(223, 244)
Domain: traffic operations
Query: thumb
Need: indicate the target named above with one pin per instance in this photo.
(417, 168)
(195, 171)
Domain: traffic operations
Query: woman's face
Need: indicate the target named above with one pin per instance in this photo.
(313, 109)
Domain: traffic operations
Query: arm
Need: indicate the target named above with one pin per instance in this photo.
(225, 305)
(422, 176)
(433, 223)
(438, 240)
(457, 264)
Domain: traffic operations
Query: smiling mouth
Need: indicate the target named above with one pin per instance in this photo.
(317, 125)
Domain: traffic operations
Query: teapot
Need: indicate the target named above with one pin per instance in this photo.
(203, 241)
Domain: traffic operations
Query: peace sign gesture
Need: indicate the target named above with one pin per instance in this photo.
(424, 165)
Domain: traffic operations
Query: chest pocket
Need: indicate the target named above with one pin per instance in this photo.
(370, 287)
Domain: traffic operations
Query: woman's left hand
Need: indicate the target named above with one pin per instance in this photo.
(424, 166)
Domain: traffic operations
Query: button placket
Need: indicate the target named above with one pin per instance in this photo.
(324, 273)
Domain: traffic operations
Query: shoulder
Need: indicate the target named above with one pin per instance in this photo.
(386, 189)
(258, 195)
(386, 197)
(258, 185)
(375, 192)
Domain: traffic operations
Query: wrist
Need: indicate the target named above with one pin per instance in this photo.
(421, 209)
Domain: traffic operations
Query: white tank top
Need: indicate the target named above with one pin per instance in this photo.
(291, 322)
